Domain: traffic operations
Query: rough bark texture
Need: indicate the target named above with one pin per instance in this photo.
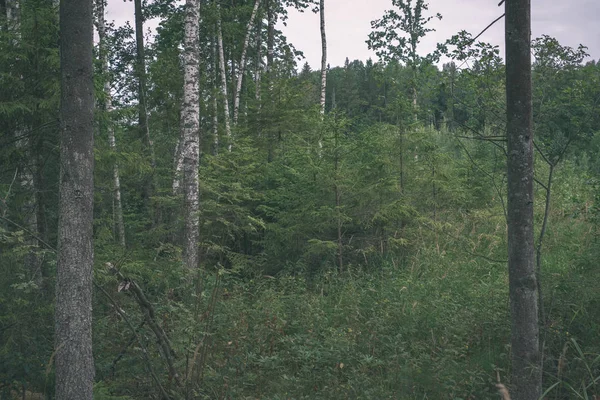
(242, 65)
(223, 79)
(526, 371)
(190, 132)
(323, 59)
(118, 206)
(73, 315)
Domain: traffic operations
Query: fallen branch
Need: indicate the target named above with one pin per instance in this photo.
(137, 337)
(150, 316)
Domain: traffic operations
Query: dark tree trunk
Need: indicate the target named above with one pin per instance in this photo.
(73, 315)
(526, 372)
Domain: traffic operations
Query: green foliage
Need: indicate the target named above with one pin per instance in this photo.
(360, 254)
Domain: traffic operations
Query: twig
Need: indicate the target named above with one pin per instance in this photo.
(503, 391)
(137, 337)
(124, 350)
(148, 311)
(489, 175)
(486, 28)
(30, 233)
(4, 201)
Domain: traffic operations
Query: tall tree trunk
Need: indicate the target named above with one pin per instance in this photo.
(178, 165)
(107, 106)
(215, 105)
(338, 205)
(323, 59)
(190, 128)
(323, 75)
(271, 19)
(223, 79)
(259, 63)
(526, 369)
(143, 106)
(415, 99)
(74, 361)
(242, 65)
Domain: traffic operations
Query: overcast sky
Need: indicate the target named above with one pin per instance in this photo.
(348, 23)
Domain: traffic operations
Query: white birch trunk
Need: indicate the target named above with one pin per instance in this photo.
(118, 206)
(178, 166)
(271, 19)
(242, 65)
(223, 79)
(259, 63)
(215, 105)
(190, 132)
(323, 58)
(323, 72)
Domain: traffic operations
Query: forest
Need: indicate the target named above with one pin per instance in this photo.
(198, 214)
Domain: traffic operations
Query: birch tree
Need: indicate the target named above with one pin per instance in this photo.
(323, 58)
(242, 64)
(190, 132)
(223, 72)
(107, 106)
(259, 64)
(73, 314)
(396, 36)
(523, 289)
(215, 105)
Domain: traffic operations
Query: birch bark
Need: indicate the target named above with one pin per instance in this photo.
(323, 59)
(242, 64)
(190, 132)
(259, 63)
(271, 19)
(215, 105)
(223, 78)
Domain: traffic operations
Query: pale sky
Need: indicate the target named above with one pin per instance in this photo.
(348, 23)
